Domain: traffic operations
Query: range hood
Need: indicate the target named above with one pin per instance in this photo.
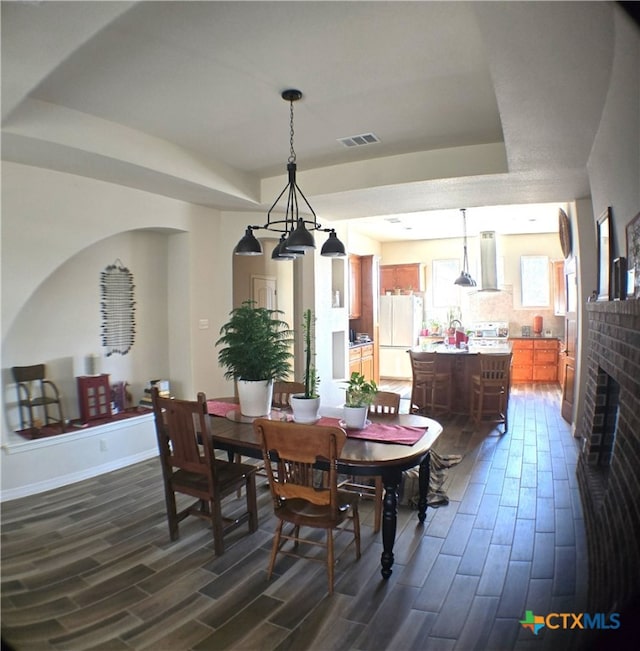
(488, 262)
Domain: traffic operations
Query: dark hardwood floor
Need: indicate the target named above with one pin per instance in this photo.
(91, 566)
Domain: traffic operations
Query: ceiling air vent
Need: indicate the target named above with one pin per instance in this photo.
(358, 141)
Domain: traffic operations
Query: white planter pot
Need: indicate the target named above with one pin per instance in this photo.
(255, 397)
(355, 417)
(305, 410)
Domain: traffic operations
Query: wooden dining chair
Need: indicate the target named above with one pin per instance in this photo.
(300, 497)
(386, 404)
(189, 466)
(490, 389)
(282, 392)
(431, 386)
(36, 391)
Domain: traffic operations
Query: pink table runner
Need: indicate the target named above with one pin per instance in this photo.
(381, 432)
(220, 407)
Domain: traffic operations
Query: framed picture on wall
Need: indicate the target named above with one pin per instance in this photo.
(603, 239)
(633, 257)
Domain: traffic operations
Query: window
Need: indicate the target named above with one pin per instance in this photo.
(534, 276)
(444, 274)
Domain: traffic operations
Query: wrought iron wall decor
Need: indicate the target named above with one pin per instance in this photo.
(118, 309)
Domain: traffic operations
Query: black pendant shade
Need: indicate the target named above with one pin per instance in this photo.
(333, 247)
(465, 279)
(248, 244)
(296, 231)
(300, 239)
(279, 252)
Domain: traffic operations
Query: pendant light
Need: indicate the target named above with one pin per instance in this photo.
(465, 279)
(296, 232)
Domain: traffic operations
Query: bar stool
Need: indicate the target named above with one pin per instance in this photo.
(431, 389)
(490, 389)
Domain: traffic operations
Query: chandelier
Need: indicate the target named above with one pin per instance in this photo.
(296, 235)
(465, 279)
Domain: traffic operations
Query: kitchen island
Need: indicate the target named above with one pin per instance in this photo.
(461, 364)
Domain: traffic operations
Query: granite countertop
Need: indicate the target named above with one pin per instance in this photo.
(534, 337)
(357, 344)
(473, 349)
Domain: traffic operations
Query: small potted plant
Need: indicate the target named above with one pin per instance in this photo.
(256, 350)
(360, 394)
(305, 405)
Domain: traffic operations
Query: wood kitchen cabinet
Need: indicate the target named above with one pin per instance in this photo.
(545, 360)
(355, 287)
(534, 360)
(401, 276)
(522, 362)
(361, 361)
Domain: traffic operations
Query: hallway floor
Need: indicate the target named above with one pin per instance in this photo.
(91, 566)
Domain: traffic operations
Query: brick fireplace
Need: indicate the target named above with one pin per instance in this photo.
(609, 466)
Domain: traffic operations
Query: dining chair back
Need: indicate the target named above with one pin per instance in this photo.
(385, 403)
(34, 391)
(303, 497)
(282, 391)
(189, 466)
(490, 389)
(431, 386)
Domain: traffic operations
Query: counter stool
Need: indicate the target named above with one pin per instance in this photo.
(490, 389)
(431, 389)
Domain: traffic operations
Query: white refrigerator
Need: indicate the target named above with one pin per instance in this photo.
(401, 318)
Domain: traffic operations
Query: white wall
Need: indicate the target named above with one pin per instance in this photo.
(614, 163)
(60, 324)
(58, 232)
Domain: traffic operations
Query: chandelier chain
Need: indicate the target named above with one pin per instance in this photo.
(292, 154)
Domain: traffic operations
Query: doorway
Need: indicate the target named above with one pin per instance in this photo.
(264, 291)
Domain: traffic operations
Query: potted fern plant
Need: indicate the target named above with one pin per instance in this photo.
(359, 395)
(255, 350)
(305, 405)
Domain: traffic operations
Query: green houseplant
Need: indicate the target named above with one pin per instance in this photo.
(255, 350)
(359, 395)
(311, 379)
(305, 405)
(360, 391)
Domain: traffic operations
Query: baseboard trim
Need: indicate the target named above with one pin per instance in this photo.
(72, 478)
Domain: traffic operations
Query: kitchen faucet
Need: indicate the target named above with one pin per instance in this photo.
(455, 321)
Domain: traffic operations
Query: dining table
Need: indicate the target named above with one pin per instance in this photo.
(400, 442)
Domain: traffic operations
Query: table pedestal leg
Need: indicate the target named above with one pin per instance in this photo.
(423, 485)
(391, 479)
